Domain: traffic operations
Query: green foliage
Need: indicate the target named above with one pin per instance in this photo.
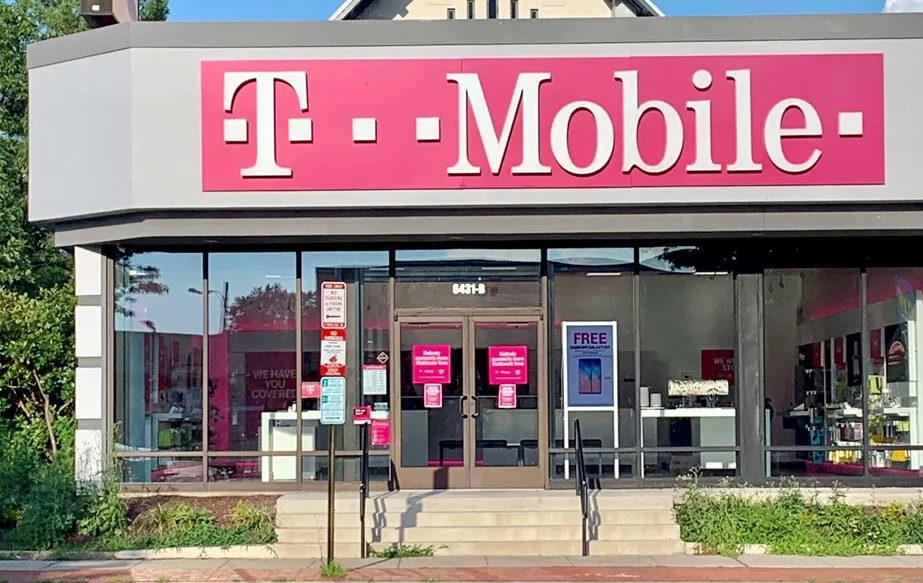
(332, 570)
(399, 551)
(173, 518)
(250, 518)
(795, 523)
(104, 513)
(153, 10)
(37, 362)
(49, 509)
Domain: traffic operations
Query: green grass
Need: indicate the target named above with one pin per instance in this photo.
(399, 551)
(332, 570)
(795, 523)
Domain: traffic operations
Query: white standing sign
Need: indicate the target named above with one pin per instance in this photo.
(333, 305)
(589, 375)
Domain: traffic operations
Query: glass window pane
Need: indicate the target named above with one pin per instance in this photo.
(590, 285)
(813, 361)
(432, 437)
(816, 464)
(252, 469)
(158, 352)
(347, 468)
(468, 278)
(251, 323)
(161, 470)
(673, 464)
(367, 348)
(894, 299)
(688, 339)
(599, 465)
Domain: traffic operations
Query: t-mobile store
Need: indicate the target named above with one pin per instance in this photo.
(699, 237)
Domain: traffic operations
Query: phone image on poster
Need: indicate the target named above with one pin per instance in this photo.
(590, 381)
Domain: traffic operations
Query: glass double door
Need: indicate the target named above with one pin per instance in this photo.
(471, 402)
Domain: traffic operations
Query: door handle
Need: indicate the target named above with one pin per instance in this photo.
(477, 408)
(461, 407)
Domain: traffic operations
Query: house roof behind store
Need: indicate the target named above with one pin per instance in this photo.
(350, 9)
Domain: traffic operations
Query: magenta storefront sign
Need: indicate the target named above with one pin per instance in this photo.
(431, 363)
(507, 365)
(706, 121)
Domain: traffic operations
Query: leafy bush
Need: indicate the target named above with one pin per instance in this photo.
(794, 523)
(104, 513)
(50, 508)
(174, 518)
(247, 517)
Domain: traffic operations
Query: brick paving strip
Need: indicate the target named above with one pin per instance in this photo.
(479, 569)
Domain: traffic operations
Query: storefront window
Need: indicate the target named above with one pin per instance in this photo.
(366, 351)
(468, 278)
(688, 340)
(594, 285)
(813, 370)
(252, 384)
(157, 357)
(894, 299)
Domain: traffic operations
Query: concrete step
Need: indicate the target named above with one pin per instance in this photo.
(476, 501)
(483, 519)
(494, 549)
(443, 535)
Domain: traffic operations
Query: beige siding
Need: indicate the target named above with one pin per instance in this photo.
(419, 9)
(436, 9)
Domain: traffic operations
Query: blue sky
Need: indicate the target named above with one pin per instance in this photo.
(321, 9)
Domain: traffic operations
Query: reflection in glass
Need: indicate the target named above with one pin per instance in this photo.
(813, 364)
(347, 468)
(895, 298)
(592, 285)
(688, 338)
(367, 343)
(674, 464)
(432, 436)
(158, 355)
(468, 278)
(158, 470)
(600, 466)
(252, 383)
(251, 469)
(506, 426)
(829, 464)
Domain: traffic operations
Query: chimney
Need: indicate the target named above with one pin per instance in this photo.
(100, 13)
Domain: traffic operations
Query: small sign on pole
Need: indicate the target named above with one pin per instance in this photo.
(332, 413)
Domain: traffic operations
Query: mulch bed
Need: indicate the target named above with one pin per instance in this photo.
(219, 506)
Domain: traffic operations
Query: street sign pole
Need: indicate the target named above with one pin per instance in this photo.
(332, 413)
(331, 492)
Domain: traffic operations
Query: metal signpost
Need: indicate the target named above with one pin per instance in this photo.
(332, 413)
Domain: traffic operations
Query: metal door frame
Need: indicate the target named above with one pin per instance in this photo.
(468, 475)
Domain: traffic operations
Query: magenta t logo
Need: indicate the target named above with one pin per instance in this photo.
(235, 130)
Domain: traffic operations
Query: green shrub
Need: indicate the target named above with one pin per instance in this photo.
(794, 524)
(174, 518)
(253, 519)
(104, 513)
(50, 509)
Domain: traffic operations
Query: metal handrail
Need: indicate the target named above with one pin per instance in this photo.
(363, 486)
(582, 488)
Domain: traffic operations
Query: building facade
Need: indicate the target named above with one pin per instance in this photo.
(699, 237)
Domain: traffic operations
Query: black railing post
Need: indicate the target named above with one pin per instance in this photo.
(582, 488)
(363, 487)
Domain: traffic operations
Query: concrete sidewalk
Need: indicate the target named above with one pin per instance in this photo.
(674, 568)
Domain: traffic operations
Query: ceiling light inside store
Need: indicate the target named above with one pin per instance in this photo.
(711, 273)
(604, 274)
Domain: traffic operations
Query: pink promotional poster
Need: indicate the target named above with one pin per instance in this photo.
(431, 363)
(508, 364)
(578, 122)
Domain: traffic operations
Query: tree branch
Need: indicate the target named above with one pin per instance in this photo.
(48, 415)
